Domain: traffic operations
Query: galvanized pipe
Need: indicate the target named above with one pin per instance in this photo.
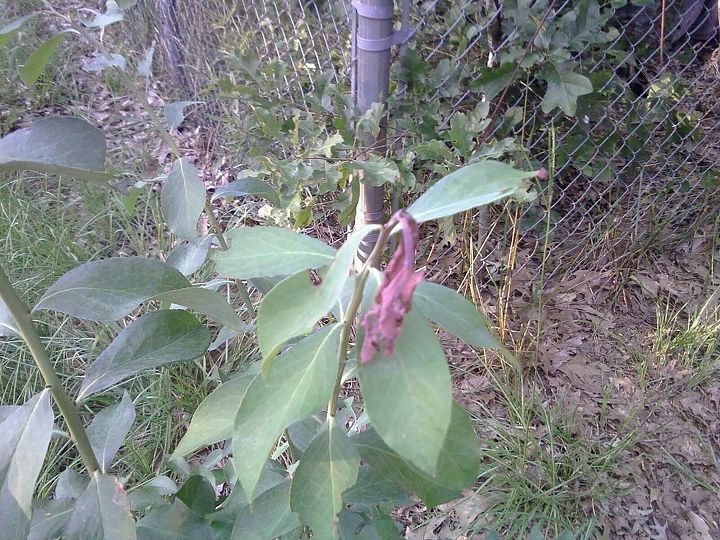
(372, 42)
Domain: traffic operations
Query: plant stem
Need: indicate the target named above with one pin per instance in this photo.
(67, 407)
(351, 314)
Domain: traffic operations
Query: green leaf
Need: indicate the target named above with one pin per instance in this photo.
(563, 89)
(408, 396)
(174, 522)
(303, 218)
(156, 339)
(371, 525)
(71, 484)
(588, 25)
(112, 14)
(108, 430)
(462, 133)
(454, 313)
(269, 517)
(273, 474)
(207, 302)
(298, 387)
(189, 257)
(198, 494)
(100, 62)
(248, 186)
(434, 149)
(25, 438)
(102, 512)
(296, 304)
(325, 148)
(62, 146)
(474, 185)
(492, 81)
(302, 432)
(328, 467)
(144, 65)
(459, 461)
(457, 466)
(175, 113)
(347, 215)
(7, 322)
(35, 65)
(269, 252)
(225, 335)
(182, 199)
(377, 171)
(372, 488)
(152, 493)
(7, 410)
(214, 418)
(108, 290)
(49, 518)
(8, 31)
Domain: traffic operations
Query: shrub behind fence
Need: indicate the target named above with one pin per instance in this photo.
(619, 102)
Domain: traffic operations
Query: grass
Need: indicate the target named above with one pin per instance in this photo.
(47, 228)
(57, 90)
(541, 468)
(689, 342)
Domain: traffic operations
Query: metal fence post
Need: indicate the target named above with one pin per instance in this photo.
(372, 42)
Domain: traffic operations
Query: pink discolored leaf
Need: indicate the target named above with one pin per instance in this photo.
(383, 323)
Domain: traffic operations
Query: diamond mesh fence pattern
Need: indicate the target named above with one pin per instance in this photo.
(636, 172)
(635, 165)
(307, 37)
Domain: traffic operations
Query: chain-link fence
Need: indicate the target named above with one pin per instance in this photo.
(619, 102)
(306, 37)
(636, 166)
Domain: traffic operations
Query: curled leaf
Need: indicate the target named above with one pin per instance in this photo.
(383, 323)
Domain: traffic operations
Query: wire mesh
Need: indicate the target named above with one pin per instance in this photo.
(655, 184)
(640, 171)
(308, 37)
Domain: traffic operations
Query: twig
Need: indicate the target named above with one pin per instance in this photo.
(351, 314)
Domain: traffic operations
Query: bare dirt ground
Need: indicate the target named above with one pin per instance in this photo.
(597, 342)
(600, 357)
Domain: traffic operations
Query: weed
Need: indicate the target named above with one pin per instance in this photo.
(540, 468)
(689, 342)
(48, 227)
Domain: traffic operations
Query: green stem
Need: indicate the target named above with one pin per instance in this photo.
(67, 407)
(351, 314)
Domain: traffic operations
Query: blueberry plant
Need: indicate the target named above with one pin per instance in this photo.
(292, 455)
